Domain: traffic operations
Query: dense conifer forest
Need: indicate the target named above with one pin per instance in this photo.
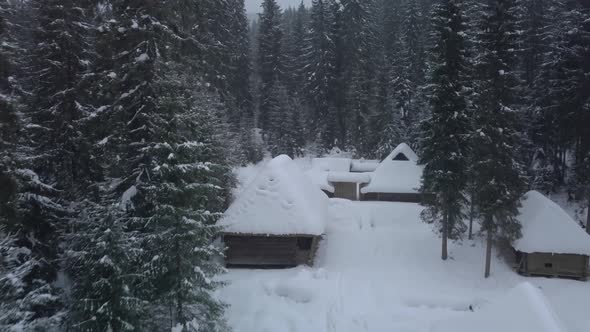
(121, 121)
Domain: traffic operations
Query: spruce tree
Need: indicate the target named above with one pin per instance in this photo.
(554, 98)
(270, 59)
(170, 168)
(319, 63)
(45, 169)
(579, 70)
(285, 116)
(295, 44)
(445, 145)
(100, 259)
(497, 170)
(410, 74)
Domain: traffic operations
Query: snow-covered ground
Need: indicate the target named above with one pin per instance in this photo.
(378, 269)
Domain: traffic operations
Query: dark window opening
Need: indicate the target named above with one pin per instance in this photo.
(304, 243)
(401, 156)
(549, 265)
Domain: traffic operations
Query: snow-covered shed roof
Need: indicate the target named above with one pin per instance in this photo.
(546, 227)
(364, 165)
(405, 150)
(331, 164)
(348, 177)
(320, 179)
(281, 200)
(524, 309)
(394, 176)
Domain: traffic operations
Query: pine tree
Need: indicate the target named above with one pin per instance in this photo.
(445, 145)
(170, 166)
(411, 69)
(295, 44)
(553, 95)
(45, 164)
(579, 70)
(59, 61)
(100, 259)
(286, 120)
(8, 118)
(498, 173)
(388, 119)
(270, 58)
(240, 75)
(319, 63)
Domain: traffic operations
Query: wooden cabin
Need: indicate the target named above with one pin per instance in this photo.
(552, 243)
(277, 221)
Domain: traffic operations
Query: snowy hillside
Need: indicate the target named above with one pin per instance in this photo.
(379, 270)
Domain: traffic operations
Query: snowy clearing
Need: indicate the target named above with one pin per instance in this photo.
(378, 269)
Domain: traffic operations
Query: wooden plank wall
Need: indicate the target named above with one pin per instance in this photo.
(556, 265)
(346, 190)
(268, 251)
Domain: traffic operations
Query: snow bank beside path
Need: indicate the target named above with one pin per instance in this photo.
(523, 309)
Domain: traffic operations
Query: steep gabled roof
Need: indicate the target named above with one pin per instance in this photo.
(280, 201)
(546, 227)
(397, 176)
(394, 176)
(403, 150)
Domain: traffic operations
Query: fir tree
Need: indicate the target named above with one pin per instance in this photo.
(270, 58)
(295, 44)
(45, 167)
(285, 117)
(170, 167)
(579, 70)
(319, 64)
(497, 171)
(445, 145)
(100, 259)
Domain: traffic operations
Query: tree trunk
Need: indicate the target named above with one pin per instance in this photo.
(472, 210)
(588, 218)
(488, 253)
(445, 236)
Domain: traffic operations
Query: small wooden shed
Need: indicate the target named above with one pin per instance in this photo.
(277, 221)
(552, 243)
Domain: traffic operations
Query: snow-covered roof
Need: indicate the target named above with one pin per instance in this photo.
(404, 149)
(523, 308)
(393, 176)
(331, 164)
(320, 179)
(364, 165)
(281, 200)
(348, 177)
(546, 227)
